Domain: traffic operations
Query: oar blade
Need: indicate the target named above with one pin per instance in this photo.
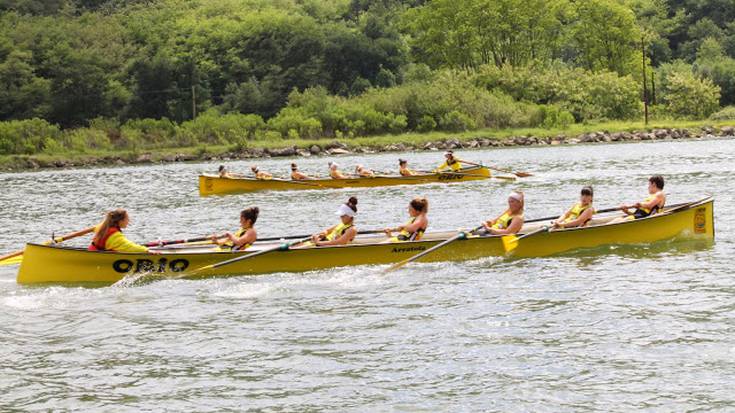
(523, 174)
(510, 242)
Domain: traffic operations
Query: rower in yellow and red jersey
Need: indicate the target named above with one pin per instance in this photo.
(453, 163)
(108, 235)
(654, 202)
(342, 233)
(414, 229)
(244, 237)
(580, 214)
(510, 221)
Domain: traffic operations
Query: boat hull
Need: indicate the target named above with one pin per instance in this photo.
(49, 264)
(215, 185)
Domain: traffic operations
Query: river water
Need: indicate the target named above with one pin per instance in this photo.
(613, 329)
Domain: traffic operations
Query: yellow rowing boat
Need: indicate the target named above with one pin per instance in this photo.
(215, 185)
(55, 264)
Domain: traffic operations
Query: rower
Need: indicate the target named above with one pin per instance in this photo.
(510, 221)
(580, 214)
(363, 172)
(297, 175)
(108, 235)
(453, 163)
(654, 202)
(414, 229)
(342, 233)
(224, 173)
(334, 171)
(260, 174)
(403, 168)
(244, 237)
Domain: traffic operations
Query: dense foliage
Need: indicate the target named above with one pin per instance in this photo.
(107, 74)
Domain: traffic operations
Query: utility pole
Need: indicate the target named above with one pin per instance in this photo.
(645, 83)
(193, 102)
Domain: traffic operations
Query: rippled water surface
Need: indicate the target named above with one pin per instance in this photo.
(614, 329)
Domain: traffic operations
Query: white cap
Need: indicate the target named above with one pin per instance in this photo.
(345, 210)
(333, 165)
(516, 195)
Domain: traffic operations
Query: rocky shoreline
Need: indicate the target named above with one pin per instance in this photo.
(333, 148)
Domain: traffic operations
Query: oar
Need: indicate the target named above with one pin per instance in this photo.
(180, 241)
(4, 259)
(460, 235)
(613, 209)
(372, 231)
(516, 173)
(282, 247)
(510, 242)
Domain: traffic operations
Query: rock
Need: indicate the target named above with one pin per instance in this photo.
(473, 144)
(708, 130)
(485, 142)
(335, 145)
(144, 158)
(391, 148)
(182, 157)
(556, 142)
(288, 151)
(338, 151)
(119, 162)
(303, 153)
(728, 131)
(661, 133)
(572, 141)
(315, 149)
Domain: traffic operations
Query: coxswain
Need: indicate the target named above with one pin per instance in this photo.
(244, 237)
(580, 214)
(297, 175)
(414, 229)
(108, 235)
(654, 202)
(342, 233)
(260, 174)
(403, 168)
(334, 171)
(453, 163)
(510, 221)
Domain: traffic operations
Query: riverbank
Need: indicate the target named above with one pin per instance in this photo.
(575, 134)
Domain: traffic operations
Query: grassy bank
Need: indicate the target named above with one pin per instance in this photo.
(374, 143)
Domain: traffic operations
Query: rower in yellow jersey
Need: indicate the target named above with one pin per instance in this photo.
(363, 172)
(579, 214)
(260, 174)
(403, 168)
(453, 163)
(244, 237)
(654, 202)
(342, 233)
(297, 175)
(414, 229)
(510, 221)
(334, 171)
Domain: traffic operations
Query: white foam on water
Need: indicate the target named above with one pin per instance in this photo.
(246, 290)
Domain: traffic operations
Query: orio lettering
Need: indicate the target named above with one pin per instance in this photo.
(162, 265)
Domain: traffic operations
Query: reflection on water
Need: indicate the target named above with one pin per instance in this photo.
(615, 328)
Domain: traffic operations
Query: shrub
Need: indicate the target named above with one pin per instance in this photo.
(214, 128)
(26, 136)
(727, 113)
(688, 96)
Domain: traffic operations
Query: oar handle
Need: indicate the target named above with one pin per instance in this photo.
(55, 240)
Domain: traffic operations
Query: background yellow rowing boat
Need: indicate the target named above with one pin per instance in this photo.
(214, 185)
(48, 264)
